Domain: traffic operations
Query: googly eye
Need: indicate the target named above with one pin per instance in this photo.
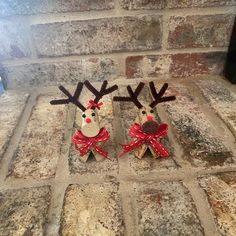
(151, 111)
(83, 115)
(93, 114)
(143, 112)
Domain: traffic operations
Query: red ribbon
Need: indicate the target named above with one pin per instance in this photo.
(83, 143)
(151, 139)
(94, 104)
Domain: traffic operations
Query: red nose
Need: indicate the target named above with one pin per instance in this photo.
(87, 120)
(149, 118)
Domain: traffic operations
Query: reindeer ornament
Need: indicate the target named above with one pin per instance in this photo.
(146, 131)
(91, 135)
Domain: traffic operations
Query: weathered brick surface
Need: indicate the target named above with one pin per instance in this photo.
(199, 3)
(128, 113)
(191, 64)
(92, 209)
(221, 193)
(39, 148)
(31, 7)
(166, 208)
(176, 65)
(147, 66)
(160, 4)
(14, 42)
(24, 211)
(221, 99)
(201, 143)
(94, 69)
(200, 31)
(98, 36)
(142, 4)
(106, 117)
(12, 104)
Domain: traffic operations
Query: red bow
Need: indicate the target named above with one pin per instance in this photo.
(87, 143)
(151, 139)
(94, 104)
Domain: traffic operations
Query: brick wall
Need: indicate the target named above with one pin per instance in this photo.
(50, 42)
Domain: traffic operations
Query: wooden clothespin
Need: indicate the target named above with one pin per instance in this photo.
(146, 130)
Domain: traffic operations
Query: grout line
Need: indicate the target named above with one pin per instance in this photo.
(180, 174)
(48, 18)
(165, 31)
(202, 206)
(62, 172)
(15, 139)
(112, 55)
(55, 208)
(129, 209)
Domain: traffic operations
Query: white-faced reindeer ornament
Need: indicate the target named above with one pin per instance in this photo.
(90, 137)
(146, 130)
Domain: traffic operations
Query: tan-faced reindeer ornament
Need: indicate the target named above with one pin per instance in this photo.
(146, 131)
(90, 136)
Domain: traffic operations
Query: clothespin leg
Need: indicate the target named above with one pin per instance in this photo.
(153, 153)
(139, 152)
(97, 156)
(84, 158)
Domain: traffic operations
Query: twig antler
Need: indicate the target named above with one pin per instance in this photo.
(133, 96)
(71, 99)
(103, 91)
(158, 96)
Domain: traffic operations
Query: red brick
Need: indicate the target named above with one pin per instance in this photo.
(160, 4)
(31, 7)
(14, 42)
(145, 5)
(98, 36)
(176, 65)
(199, 3)
(56, 73)
(186, 64)
(200, 31)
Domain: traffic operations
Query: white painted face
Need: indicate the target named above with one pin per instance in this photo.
(90, 123)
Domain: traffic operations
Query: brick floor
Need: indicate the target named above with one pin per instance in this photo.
(46, 190)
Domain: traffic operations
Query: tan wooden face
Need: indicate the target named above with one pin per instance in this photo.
(90, 124)
(146, 113)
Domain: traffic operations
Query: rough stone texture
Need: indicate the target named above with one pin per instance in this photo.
(176, 65)
(199, 3)
(14, 42)
(200, 31)
(202, 145)
(92, 209)
(142, 4)
(93, 69)
(221, 193)
(147, 66)
(160, 4)
(185, 65)
(221, 99)
(166, 208)
(12, 104)
(31, 7)
(98, 36)
(40, 145)
(106, 117)
(128, 113)
(24, 211)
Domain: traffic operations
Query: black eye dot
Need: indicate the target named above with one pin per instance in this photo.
(143, 112)
(93, 114)
(83, 115)
(151, 111)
